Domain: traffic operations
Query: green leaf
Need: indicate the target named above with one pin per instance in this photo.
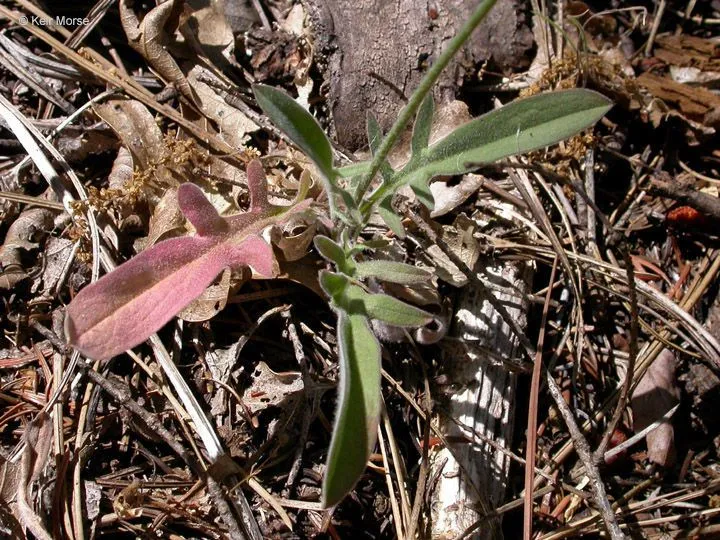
(334, 286)
(521, 126)
(421, 188)
(390, 310)
(394, 272)
(423, 125)
(378, 244)
(298, 124)
(356, 420)
(354, 300)
(375, 136)
(391, 219)
(353, 169)
(334, 253)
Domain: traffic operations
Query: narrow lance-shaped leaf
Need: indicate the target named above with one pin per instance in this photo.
(521, 126)
(385, 209)
(391, 219)
(299, 125)
(125, 307)
(375, 136)
(358, 412)
(354, 300)
(423, 125)
(353, 169)
(351, 213)
(394, 272)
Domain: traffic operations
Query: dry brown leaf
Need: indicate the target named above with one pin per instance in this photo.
(149, 37)
(139, 132)
(233, 125)
(122, 169)
(294, 237)
(654, 396)
(57, 252)
(129, 502)
(211, 28)
(270, 388)
(305, 272)
(38, 442)
(166, 219)
(459, 238)
(76, 143)
(448, 197)
(9, 482)
(22, 236)
(211, 302)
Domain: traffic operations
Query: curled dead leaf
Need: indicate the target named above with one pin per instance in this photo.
(23, 235)
(122, 169)
(211, 302)
(149, 37)
(165, 220)
(270, 388)
(210, 29)
(233, 125)
(449, 196)
(139, 132)
(294, 236)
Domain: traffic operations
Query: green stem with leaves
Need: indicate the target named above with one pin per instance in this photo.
(522, 126)
(408, 112)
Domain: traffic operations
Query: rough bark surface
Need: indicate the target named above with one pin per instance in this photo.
(375, 52)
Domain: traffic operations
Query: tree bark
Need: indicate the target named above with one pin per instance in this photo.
(374, 53)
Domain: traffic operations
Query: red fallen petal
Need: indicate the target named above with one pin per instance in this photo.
(685, 216)
(617, 438)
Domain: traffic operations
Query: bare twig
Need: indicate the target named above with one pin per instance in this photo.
(422, 477)
(583, 450)
(308, 410)
(121, 394)
(707, 204)
(655, 26)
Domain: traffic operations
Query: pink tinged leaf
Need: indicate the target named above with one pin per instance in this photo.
(125, 307)
(257, 186)
(256, 253)
(199, 211)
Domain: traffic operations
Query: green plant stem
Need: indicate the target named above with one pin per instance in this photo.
(422, 90)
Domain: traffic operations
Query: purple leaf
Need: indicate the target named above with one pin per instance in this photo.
(199, 211)
(128, 305)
